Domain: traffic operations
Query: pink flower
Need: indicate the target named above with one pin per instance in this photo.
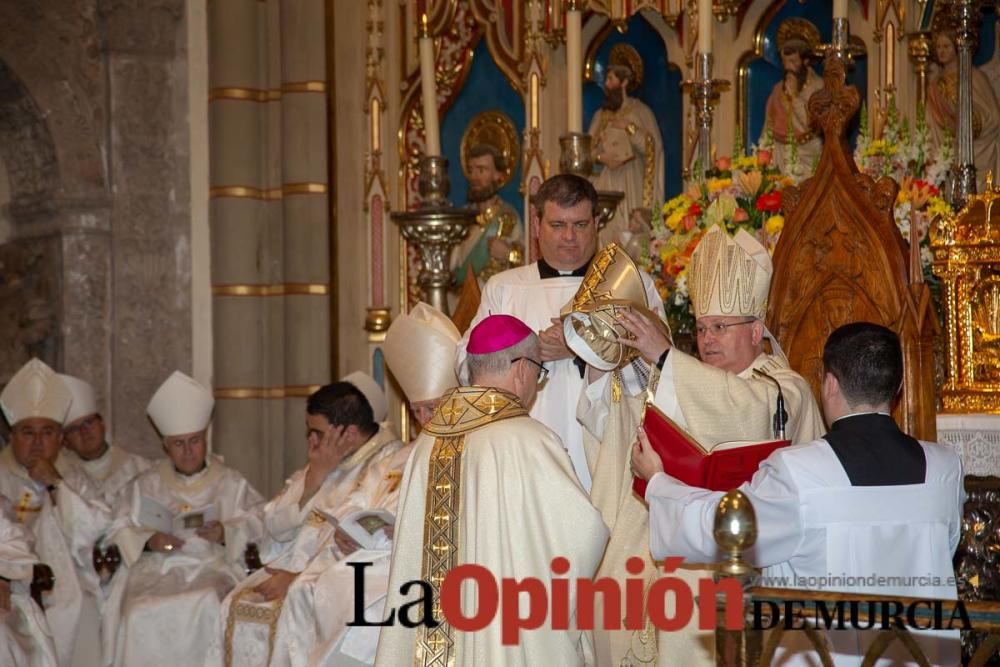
(763, 158)
(724, 163)
(740, 215)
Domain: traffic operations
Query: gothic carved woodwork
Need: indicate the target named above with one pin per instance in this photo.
(966, 256)
(841, 259)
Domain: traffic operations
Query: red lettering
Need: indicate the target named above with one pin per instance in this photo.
(635, 588)
(586, 601)
(537, 608)
(656, 602)
(708, 603)
(560, 595)
(451, 597)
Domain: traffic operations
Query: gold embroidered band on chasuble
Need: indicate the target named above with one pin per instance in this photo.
(463, 410)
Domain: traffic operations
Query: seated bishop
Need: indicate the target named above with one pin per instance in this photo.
(182, 531)
(488, 485)
(25, 638)
(419, 350)
(108, 466)
(55, 501)
(354, 467)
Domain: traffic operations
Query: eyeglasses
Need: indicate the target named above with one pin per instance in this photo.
(717, 329)
(88, 423)
(543, 372)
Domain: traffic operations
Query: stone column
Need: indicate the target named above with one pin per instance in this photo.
(245, 220)
(305, 206)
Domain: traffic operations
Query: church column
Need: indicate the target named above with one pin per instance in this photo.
(305, 206)
(246, 237)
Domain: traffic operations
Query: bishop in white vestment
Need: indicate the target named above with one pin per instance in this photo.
(165, 601)
(25, 638)
(108, 466)
(730, 394)
(55, 501)
(355, 464)
(487, 484)
(865, 502)
(537, 293)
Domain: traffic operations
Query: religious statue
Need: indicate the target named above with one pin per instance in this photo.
(494, 243)
(626, 144)
(786, 121)
(942, 107)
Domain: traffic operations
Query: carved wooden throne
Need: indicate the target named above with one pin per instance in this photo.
(841, 259)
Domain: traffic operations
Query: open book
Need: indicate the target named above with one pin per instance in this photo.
(718, 468)
(154, 515)
(366, 527)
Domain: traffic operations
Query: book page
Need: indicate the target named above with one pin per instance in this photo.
(154, 515)
(367, 527)
(191, 521)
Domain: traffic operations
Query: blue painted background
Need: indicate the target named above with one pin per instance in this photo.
(660, 91)
(987, 32)
(485, 89)
(765, 71)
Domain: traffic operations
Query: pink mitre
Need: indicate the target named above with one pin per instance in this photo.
(495, 333)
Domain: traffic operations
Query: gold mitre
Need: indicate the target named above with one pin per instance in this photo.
(420, 348)
(729, 275)
(798, 31)
(590, 322)
(35, 391)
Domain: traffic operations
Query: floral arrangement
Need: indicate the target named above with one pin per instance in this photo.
(740, 192)
(919, 167)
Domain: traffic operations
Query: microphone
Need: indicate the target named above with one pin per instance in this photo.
(780, 415)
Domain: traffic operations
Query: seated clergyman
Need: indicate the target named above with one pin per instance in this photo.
(182, 534)
(56, 502)
(354, 464)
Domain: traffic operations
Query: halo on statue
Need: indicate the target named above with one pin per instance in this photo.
(798, 30)
(495, 129)
(625, 54)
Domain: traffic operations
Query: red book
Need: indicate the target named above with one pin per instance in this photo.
(719, 468)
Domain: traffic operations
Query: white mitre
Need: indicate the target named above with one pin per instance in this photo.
(372, 391)
(180, 406)
(420, 349)
(729, 275)
(84, 398)
(35, 391)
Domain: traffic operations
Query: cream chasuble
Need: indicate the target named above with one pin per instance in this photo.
(25, 638)
(523, 293)
(157, 598)
(486, 484)
(284, 632)
(65, 533)
(112, 471)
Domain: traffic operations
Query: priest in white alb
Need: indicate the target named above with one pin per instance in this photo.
(354, 465)
(731, 392)
(536, 294)
(489, 485)
(182, 533)
(25, 638)
(419, 348)
(108, 466)
(55, 501)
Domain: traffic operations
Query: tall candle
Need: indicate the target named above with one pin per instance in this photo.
(840, 9)
(574, 70)
(704, 26)
(428, 89)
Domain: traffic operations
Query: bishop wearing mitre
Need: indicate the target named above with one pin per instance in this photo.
(55, 501)
(489, 485)
(182, 530)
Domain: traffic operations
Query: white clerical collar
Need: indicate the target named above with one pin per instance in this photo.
(858, 414)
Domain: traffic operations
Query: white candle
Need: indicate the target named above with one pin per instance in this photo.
(428, 91)
(704, 26)
(574, 71)
(840, 9)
